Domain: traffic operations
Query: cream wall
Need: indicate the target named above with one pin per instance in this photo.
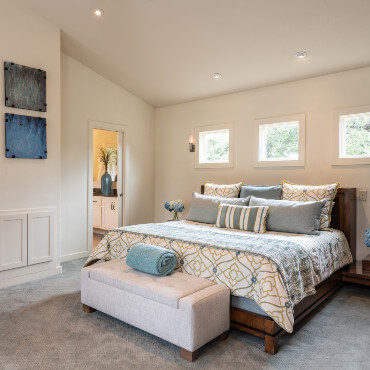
(28, 39)
(88, 96)
(176, 177)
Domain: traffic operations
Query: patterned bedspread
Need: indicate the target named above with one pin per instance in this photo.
(276, 270)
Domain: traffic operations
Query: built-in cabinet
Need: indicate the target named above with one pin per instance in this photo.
(40, 237)
(105, 212)
(26, 238)
(13, 241)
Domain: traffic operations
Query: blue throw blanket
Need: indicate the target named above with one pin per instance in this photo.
(151, 259)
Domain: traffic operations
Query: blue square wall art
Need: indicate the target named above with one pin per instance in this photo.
(25, 136)
(25, 87)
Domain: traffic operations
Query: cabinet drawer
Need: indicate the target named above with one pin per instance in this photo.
(97, 200)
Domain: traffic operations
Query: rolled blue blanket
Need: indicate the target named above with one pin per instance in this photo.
(151, 259)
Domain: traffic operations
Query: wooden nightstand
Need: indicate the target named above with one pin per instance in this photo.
(357, 273)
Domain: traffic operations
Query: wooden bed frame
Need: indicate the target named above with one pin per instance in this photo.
(344, 219)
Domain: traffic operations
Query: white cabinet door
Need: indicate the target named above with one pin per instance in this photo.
(97, 212)
(109, 213)
(40, 237)
(13, 241)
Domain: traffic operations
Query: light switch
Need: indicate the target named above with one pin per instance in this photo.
(362, 195)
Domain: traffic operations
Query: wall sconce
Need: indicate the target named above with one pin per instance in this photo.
(191, 144)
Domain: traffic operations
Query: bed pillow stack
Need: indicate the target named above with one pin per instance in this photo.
(204, 208)
(286, 207)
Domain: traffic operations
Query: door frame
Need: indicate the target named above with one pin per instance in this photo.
(122, 170)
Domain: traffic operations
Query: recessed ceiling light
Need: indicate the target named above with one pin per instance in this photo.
(99, 12)
(300, 54)
(217, 75)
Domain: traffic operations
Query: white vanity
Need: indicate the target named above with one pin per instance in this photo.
(105, 212)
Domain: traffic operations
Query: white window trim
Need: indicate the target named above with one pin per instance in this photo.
(222, 126)
(300, 162)
(335, 141)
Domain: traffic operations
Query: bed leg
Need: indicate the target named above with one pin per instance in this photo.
(88, 309)
(271, 344)
(223, 336)
(188, 355)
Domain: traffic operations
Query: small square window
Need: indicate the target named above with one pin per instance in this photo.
(280, 141)
(351, 136)
(214, 147)
(354, 135)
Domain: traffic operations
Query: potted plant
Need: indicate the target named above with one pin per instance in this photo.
(107, 156)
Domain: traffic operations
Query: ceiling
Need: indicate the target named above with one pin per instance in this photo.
(166, 51)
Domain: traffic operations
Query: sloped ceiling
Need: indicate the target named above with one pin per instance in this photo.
(166, 51)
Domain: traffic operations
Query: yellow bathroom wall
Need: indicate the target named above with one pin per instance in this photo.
(105, 139)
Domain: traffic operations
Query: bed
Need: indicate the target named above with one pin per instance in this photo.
(272, 288)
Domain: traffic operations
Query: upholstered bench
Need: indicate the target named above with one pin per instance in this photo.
(185, 310)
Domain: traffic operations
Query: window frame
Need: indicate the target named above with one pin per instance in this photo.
(300, 162)
(336, 137)
(215, 127)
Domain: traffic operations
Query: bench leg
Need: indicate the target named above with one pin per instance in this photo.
(187, 355)
(88, 309)
(271, 344)
(223, 336)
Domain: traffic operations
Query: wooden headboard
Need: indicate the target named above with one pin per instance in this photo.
(343, 216)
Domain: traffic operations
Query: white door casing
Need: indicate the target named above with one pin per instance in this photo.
(122, 170)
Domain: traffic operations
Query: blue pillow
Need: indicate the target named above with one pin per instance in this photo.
(291, 216)
(261, 191)
(204, 208)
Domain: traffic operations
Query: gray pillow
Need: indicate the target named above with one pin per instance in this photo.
(291, 216)
(204, 208)
(261, 191)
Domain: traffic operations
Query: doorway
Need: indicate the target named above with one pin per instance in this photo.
(106, 180)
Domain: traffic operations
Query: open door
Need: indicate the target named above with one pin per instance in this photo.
(106, 199)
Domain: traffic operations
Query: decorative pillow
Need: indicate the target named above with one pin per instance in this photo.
(306, 193)
(243, 218)
(224, 191)
(291, 216)
(204, 208)
(261, 191)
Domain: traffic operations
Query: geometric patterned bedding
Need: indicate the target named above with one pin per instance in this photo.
(276, 270)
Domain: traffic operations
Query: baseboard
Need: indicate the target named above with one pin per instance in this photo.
(74, 256)
(15, 280)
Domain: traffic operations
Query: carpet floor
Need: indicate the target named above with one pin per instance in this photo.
(42, 326)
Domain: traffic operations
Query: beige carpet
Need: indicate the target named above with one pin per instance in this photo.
(42, 326)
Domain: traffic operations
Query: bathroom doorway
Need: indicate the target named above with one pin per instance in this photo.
(106, 186)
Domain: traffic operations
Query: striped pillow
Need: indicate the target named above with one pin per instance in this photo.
(243, 218)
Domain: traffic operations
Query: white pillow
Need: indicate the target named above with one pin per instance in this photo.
(224, 191)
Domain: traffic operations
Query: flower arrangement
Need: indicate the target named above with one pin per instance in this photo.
(107, 156)
(175, 206)
(367, 238)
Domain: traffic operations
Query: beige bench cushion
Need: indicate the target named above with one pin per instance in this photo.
(166, 290)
